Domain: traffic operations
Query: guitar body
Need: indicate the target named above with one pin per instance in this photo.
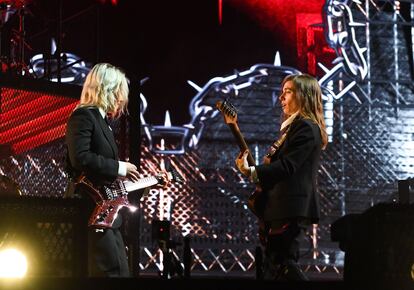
(106, 211)
(110, 199)
(257, 202)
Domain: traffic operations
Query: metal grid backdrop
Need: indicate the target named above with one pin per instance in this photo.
(371, 149)
(32, 124)
(374, 136)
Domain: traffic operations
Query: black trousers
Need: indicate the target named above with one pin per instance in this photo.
(107, 255)
(282, 251)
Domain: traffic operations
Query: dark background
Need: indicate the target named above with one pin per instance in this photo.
(168, 41)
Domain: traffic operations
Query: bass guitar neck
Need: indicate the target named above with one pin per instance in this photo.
(234, 127)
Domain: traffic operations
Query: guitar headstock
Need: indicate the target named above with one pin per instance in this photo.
(176, 177)
(228, 110)
(168, 176)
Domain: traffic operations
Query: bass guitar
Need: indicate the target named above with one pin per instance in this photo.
(256, 200)
(109, 199)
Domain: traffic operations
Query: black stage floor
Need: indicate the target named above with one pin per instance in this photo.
(164, 284)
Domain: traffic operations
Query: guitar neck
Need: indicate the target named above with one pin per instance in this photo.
(140, 183)
(241, 142)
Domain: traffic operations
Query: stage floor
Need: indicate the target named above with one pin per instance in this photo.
(164, 284)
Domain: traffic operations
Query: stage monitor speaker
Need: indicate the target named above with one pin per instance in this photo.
(379, 247)
(50, 232)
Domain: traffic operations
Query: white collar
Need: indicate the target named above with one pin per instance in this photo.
(289, 121)
(102, 112)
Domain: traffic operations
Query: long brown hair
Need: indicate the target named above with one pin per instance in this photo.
(309, 98)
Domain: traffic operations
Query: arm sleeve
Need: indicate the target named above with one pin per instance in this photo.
(301, 144)
(122, 169)
(253, 175)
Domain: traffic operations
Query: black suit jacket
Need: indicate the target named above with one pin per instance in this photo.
(91, 146)
(91, 149)
(289, 182)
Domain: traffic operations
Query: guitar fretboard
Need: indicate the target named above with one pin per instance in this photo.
(141, 183)
(241, 142)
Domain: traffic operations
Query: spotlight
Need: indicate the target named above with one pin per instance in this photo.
(13, 264)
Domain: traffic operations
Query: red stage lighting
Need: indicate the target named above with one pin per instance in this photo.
(112, 2)
(30, 119)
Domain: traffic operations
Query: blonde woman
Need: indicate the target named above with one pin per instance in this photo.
(288, 177)
(92, 151)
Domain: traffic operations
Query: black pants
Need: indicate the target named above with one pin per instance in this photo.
(282, 251)
(107, 255)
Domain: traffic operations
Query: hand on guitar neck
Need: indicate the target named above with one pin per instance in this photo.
(164, 179)
(242, 163)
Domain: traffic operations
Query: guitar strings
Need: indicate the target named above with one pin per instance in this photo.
(140, 181)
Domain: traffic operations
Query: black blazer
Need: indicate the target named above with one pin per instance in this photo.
(289, 182)
(91, 150)
(91, 146)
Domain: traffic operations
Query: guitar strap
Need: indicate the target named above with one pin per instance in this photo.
(276, 145)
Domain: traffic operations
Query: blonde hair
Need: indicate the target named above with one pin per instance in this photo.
(106, 87)
(309, 99)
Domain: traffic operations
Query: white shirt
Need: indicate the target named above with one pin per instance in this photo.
(289, 121)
